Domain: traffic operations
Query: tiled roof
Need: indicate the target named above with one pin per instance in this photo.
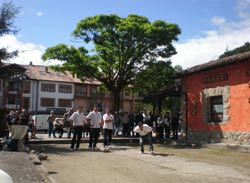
(242, 57)
(44, 73)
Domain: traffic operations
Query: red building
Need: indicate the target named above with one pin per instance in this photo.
(218, 100)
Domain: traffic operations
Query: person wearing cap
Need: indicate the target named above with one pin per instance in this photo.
(145, 132)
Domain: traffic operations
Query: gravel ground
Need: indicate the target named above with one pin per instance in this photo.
(124, 164)
(21, 167)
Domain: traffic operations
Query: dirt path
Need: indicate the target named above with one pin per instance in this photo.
(124, 164)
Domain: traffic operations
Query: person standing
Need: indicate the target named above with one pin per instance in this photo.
(108, 120)
(144, 132)
(77, 121)
(50, 119)
(66, 122)
(117, 124)
(166, 123)
(131, 124)
(24, 120)
(159, 126)
(175, 125)
(125, 124)
(151, 120)
(138, 117)
(95, 120)
(11, 120)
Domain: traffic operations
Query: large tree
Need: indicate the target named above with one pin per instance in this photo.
(8, 13)
(122, 48)
(155, 77)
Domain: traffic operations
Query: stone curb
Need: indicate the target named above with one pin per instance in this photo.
(41, 168)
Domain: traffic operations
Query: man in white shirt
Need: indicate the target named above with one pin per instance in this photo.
(144, 131)
(95, 119)
(108, 120)
(77, 121)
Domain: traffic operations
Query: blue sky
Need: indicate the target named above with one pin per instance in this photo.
(208, 27)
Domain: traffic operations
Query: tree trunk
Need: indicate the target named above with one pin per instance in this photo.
(116, 100)
(154, 108)
(160, 104)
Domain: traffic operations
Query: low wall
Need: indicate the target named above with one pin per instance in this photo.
(238, 138)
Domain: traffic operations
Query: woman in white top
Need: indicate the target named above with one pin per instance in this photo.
(108, 120)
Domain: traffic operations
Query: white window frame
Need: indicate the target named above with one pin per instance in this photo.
(206, 107)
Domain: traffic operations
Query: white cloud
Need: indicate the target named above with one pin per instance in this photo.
(191, 52)
(218, 20)
(213, 43)
(39, 14)
(28, 52)
(243, 7)
(209, 47)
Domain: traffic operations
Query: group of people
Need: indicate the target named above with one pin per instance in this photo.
(96, 121)
(164, 125)
(17, 128)
(75, 123)
(108, 124)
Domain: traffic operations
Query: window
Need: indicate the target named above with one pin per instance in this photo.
(216, 109)
(26, 86)
(81, 91)
(13, 86)
(47, 102)
(26, 102)
(64, 103)
(12, 99)
(65, 89)
(93, 102)
(95, 92)
(42, 72)
(48, 87)
(215, 105)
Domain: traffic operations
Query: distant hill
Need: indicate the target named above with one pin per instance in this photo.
(242, 49)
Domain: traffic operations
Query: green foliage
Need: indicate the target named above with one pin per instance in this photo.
(241, 49)
(8, 13)
(5, 55)
(155, 77)
(123, 49)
